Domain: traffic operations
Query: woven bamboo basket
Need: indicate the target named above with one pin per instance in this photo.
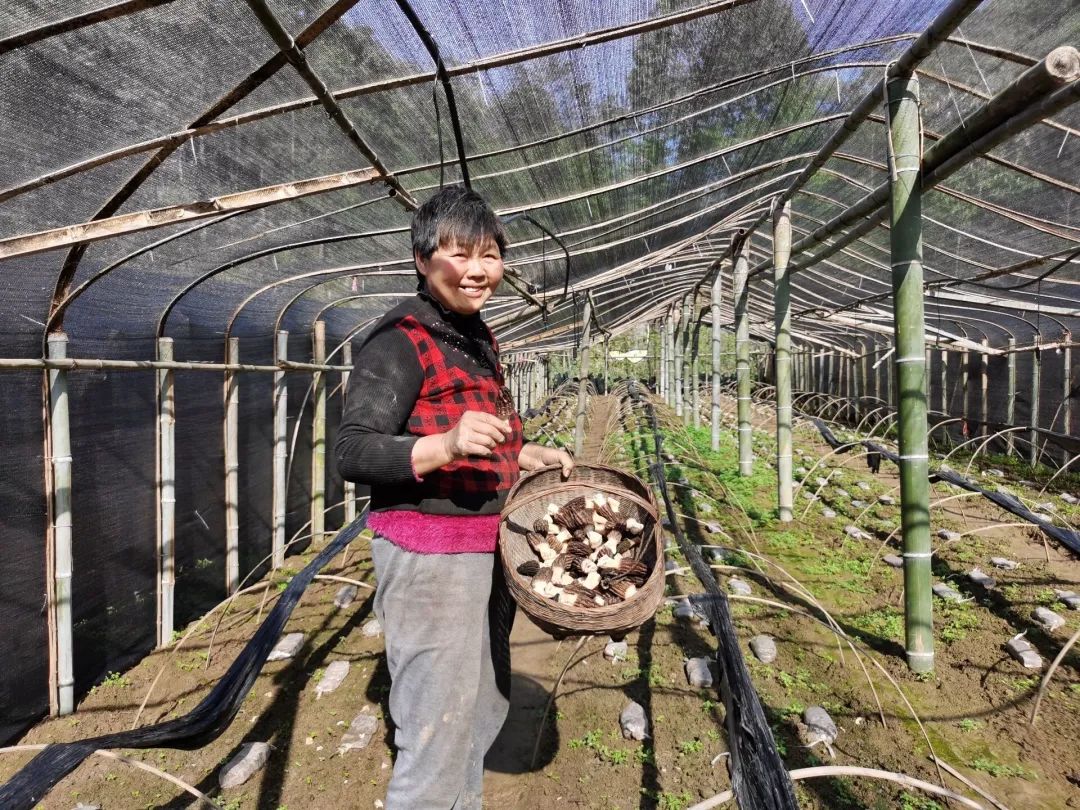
(528, 501)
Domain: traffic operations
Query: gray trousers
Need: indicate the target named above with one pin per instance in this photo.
(446, 619)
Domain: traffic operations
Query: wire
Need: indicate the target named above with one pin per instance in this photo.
(1037, 280)
(444, 78)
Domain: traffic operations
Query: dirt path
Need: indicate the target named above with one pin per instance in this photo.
(600, 409)
(537, 659)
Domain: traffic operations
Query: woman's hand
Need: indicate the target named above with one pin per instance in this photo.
(534, 456)
(476, 434)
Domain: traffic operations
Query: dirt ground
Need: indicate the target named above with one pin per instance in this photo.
(975, 707)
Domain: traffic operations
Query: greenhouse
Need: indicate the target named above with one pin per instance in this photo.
(794, 282)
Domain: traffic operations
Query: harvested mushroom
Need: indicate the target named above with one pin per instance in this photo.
(621, 588)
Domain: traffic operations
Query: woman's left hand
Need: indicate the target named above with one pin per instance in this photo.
(534, 456)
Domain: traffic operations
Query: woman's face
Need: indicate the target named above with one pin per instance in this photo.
(460, 279)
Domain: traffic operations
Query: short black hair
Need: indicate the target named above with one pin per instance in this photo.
(455, 215)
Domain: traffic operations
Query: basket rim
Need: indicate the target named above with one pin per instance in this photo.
(513, 501)
(552, 616)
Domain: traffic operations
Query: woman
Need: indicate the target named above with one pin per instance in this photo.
(431, 427)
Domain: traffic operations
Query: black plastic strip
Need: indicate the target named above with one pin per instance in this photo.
(1067, 537)
(758, 776)
(201, 725)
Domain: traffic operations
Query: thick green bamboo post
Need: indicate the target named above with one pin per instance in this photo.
(782, 306)
(716, 352)
(910, 361)
(742, 357)
(1010, 403)
(232, 468)
(318, 437)
(348, 487)
(62, 678)
(281, 452)
(166, 481)
(1036, 382)
(583, 380)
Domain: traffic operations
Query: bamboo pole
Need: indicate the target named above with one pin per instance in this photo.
(890, 385)
(858, 379)
(60, 441)
(742, 358)
(965, 382)
(318, 437)
(232, 462)
(695, 387)
(717, 290)
(984, 392)
(669, 336)
(661, 342)
(910, 362)
(91, 364)
(1036, 381)
(607, 364)
(95, 230)
(679, 354)
(1010, 403)
(583, 380)
(1066, 385)
(281, 451)
(782, 305)
(296, 57)
(944, 381)
(349, 488)
(926, 377)
(166, 481)
(684, 357)
(1039, 92)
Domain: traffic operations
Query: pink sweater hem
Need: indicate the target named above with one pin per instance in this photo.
(437, 534)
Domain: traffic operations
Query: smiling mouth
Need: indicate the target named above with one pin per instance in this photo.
(472, 292)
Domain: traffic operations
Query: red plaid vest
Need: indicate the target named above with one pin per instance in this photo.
(447, 392)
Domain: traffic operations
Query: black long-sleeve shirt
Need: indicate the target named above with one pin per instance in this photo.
(418, 370)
